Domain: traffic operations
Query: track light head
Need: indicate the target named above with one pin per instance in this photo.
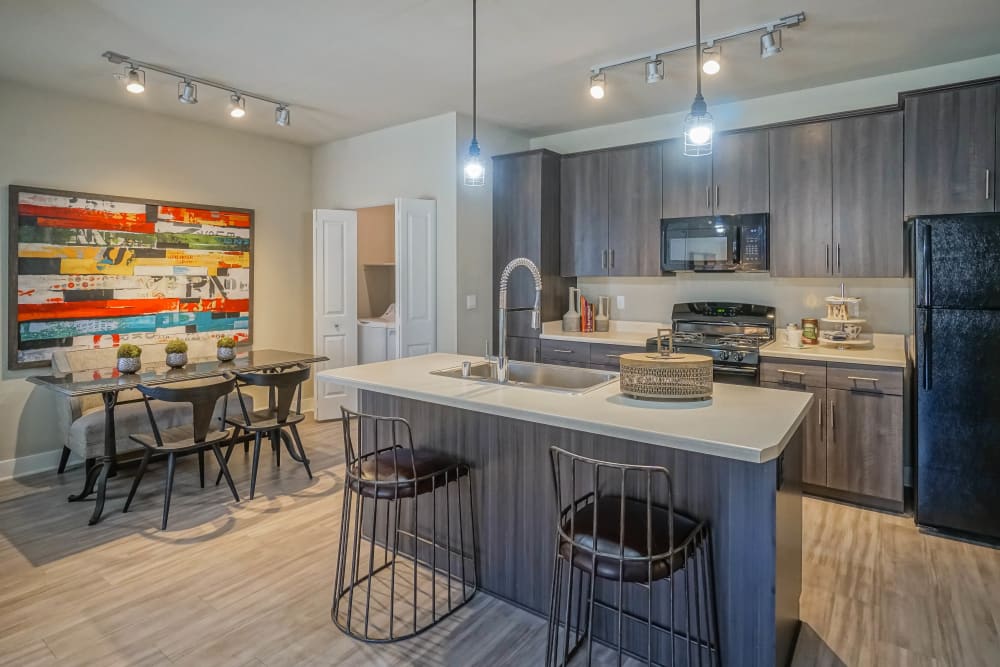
(187, 92)
(711, 59)
(135, 80)
(237, 106)
(654, 70)
(770, 43)
(282, 116)
(597, 85)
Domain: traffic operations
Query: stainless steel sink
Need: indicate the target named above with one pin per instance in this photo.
(567, 379)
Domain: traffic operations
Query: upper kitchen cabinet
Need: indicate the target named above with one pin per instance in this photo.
(687, 182)
(868, 232)
(740, 172)
(951, 151)
(634, 190)
(584, 215)
(801, 200)
(526, 224)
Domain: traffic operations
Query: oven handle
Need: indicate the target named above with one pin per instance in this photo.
(734, 370)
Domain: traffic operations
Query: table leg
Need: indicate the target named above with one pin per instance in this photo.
(108, 461)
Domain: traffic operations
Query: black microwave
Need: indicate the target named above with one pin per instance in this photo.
(715, 243)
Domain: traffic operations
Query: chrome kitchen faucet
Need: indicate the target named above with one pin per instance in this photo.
(536, 312)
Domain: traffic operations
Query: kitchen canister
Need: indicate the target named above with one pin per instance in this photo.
(666, 375)
(810, 331)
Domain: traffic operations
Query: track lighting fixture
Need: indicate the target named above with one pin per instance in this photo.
(698, 125)
(654, 70)
(237, 106)
(187, 87)
(474, 173)
(770, 43)
(135, 80)
(187, 93)
(711, 58)
(597, 85)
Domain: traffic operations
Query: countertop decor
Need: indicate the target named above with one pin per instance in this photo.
(885, 350)
(620, 332)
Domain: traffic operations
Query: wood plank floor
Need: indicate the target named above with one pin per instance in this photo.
(250, 583)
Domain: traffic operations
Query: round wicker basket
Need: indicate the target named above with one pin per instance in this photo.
(667, 377)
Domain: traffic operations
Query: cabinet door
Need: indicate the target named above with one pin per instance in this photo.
(865, 450)
(951, 151)
(584, 215)
(801, 201)
(635, 186)
(524, 349)
(740, 172)
(814, 453)
(687, 182)
(517, 193)
(868, 232)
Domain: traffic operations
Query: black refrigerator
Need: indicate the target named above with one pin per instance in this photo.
(957, 329)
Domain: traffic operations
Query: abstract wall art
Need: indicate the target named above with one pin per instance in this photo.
(90, 271)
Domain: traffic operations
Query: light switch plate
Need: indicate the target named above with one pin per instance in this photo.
(470, 301)
(620, 302)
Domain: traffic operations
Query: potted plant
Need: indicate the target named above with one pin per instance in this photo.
(128, 358)
(226, 348)
(177, 353)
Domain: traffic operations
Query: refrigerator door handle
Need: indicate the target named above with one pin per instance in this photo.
(925, 248)
(925, 366)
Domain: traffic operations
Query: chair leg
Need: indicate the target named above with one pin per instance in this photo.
(171, 464)
(201, 467)
(276, 446)
(229, 452)
(224, 470)
(63, 458)
(138, 478)
(302, 452)
(256, 461)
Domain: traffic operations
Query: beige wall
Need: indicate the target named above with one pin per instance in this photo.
(51, 140)
(376, 249)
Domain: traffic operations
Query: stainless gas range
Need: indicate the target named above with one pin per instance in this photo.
(730, 333)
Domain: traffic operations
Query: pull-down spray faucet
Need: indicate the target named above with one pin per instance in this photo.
(536, 310)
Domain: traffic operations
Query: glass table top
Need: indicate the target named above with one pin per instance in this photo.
(99, 380)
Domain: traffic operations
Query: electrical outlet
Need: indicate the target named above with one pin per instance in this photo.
(470, 301)
(620, 302)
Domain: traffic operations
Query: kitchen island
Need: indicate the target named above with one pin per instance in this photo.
(735, 461)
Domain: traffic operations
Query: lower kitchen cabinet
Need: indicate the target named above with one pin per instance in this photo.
(814, 451)
(598, 356)
(523, 349)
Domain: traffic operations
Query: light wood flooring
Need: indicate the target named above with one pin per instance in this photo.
(251, 583)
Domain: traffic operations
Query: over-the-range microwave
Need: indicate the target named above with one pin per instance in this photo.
(720, 243)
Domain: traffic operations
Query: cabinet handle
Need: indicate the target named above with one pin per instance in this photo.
(821, 436)
(782, 371)
(861, 379)
(612, 356)
(838, 258)
(708, 197)
(987, 183)
(827, 256)
(562, 351)
(604, 259)
(716, 195)
(612, 258)
(833, 421)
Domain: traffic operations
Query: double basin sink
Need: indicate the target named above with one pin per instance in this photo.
(565, 379)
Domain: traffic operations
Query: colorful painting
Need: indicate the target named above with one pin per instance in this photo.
(93, 271)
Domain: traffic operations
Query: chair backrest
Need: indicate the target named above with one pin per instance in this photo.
(203, 395)
(375, 435)
(581, 481)
(284, 385)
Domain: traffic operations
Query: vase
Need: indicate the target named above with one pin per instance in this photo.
(177, 359)
(571, 320)
(601, 321)
(226, 353)
(129, 365)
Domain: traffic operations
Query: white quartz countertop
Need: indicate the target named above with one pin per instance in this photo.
(738, 422)
(621, 332)
(886, 350)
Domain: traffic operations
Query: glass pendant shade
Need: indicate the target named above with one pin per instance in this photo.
(475, 172)
(698, 130)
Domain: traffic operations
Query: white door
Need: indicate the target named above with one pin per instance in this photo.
(335, 304)
(416, 276)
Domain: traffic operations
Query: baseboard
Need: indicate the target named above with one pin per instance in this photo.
(308, 405)
(32, 464)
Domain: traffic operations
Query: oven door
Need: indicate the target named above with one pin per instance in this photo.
(745, 375)
(699, 244)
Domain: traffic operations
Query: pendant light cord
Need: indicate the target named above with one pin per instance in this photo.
(474, 70)
(697, 42)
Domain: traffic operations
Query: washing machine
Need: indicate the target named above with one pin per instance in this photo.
(377, 337)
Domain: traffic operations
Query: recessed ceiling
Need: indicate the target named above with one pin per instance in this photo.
(352, 66)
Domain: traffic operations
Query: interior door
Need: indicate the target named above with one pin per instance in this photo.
(335, 304)
(416, 277)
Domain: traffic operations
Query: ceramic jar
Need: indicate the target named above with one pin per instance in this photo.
(226, 353)
(129, 365)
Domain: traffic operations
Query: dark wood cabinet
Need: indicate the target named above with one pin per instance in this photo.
(526, 224)
(868, 231)
(524, 349)
(584, 214)
(951, 151)
(740, 172)
(814, 455)
(634, 188)
(865, 453)
(687, 182)
(801, 200)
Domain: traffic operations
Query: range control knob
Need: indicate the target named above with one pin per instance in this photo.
(738, 356)
(723, 355)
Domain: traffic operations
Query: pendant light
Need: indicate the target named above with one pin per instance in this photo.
(475, 172)
(698, 125)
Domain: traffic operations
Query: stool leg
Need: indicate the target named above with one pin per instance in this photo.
(713, 617)
(201, 467)
(138, 477)
(553, 630)
(276, 446)
(171, 464)
(63, 458)
(256, 461)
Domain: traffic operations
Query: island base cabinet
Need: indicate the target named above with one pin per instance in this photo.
(754, 511)
(865, 452)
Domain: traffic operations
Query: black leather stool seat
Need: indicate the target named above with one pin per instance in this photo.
(395, 471)
(609, 539)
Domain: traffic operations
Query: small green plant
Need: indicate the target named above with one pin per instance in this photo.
(129, 351)
(226, 341)
(177, 346)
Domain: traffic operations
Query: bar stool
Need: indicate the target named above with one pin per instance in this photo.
(193, 438)
(610, 532)
(284, 387)
(410, 564)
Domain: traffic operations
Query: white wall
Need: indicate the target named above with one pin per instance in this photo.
(475, 232)
(52, 140)
(886, 301)
(416, 159)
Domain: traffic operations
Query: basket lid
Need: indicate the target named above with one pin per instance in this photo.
(675, 359)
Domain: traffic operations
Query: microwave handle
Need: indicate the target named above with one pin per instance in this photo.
(737, 245)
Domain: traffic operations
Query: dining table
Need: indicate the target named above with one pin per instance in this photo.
(109, 382)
